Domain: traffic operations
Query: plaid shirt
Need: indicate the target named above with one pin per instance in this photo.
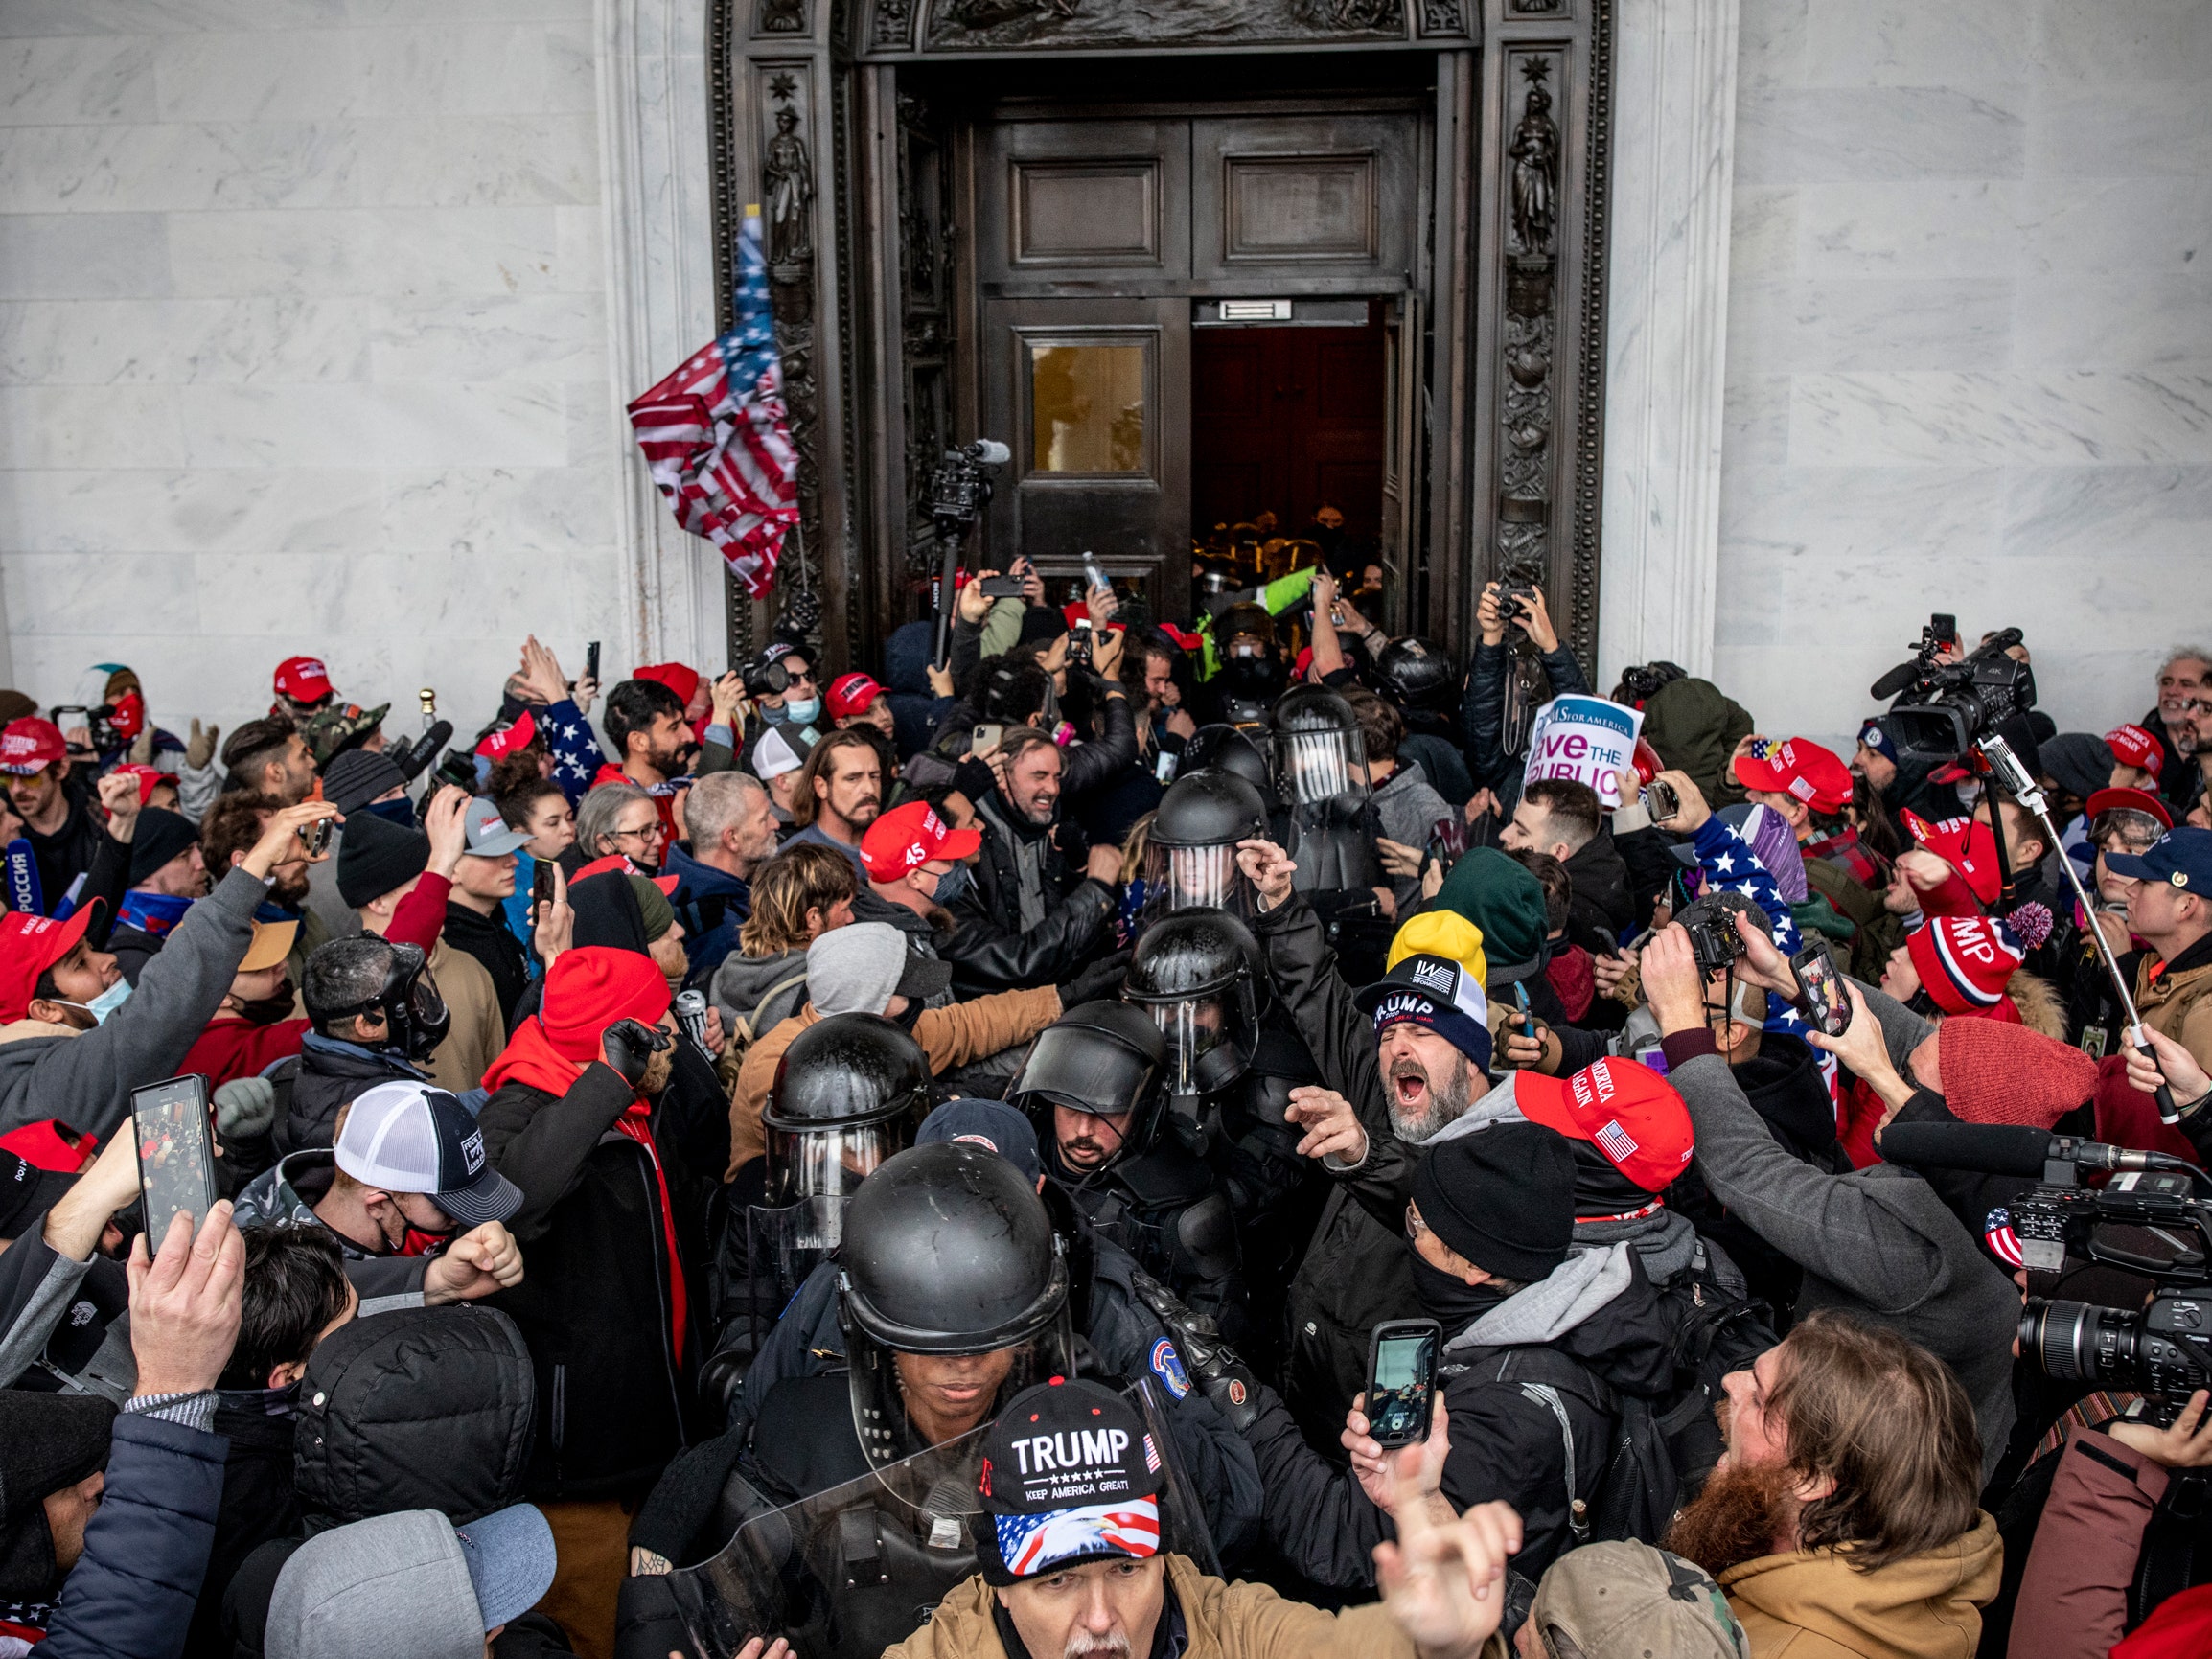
(1857, 860)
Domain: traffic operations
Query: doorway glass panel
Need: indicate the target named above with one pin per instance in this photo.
(1087, 408)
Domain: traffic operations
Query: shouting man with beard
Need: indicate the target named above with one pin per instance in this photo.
(1844, 1512)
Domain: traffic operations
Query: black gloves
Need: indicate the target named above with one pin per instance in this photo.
(630, 1045)
(1212, 1363)
(1101, 979)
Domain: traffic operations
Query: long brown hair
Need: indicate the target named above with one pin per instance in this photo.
(805, 804)
(1890, 1427)
(798, 878)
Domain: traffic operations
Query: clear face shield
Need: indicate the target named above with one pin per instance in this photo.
(830, 1162)
(1316, 767)
(1209, 1038)
(859, 1567)
(880, 1417)
(1193, 878)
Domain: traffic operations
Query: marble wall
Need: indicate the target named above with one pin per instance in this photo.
(304, 346)
(1970, 345)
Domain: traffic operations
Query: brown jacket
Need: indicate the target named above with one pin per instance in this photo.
(1815, 1604)
(950, 1037)
(479, 1032)
(1224, 1621)
(2177, 1004)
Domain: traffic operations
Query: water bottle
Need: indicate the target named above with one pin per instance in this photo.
(1092, 573)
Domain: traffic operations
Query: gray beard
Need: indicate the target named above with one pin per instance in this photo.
(1445, 1106)
(1084, 1646)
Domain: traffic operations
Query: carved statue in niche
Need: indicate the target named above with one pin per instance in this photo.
(783, 16)
(1363, 13)
(789, 175)
(985, 13)
(1535, 156)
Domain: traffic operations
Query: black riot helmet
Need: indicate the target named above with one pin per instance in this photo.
(1190, 853)
(415, 1013)
(1317, 745)
(946, 1251)
(847, 1096)
(1225, 748)
(1416, 674)
(1105, 1058)
(1199, 976)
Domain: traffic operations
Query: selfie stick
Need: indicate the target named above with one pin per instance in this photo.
(2005, 766)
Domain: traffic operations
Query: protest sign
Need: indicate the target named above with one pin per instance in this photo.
(1585, 738)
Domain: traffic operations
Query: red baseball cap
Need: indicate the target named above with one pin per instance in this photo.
(678, 678)
(499, 745)
(29, 745)
(2133, 745)
(1963, 843)
(909, 837)
(1801, 770)
(851, 694)
(303, 680)
(2141, 800)
(1627, 1110)
(29, 945)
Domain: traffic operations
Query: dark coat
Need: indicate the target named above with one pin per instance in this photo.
(320, 1080)
(989, 948)
(613, 1395)
(487, 940)
(1482, 712)
(706, 950)
(1600, 907)
(258, 1501)
(1505, 1445)
(145, 1548)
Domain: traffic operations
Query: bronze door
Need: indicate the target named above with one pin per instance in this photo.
(1093, 396)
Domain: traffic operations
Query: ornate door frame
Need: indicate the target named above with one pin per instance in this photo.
(1513, 403)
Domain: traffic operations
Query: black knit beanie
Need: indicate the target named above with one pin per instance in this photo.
(1503, 1197)
(376, 855)
(161, 835)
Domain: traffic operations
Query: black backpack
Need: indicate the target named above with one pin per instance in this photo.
(1659, 1451)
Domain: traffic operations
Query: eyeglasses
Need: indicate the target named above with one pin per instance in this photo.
(652, 832)
(1414, 1224)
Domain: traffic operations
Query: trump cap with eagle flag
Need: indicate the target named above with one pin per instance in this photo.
(1069, 1475)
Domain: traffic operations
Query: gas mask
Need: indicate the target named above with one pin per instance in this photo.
(416, 1017)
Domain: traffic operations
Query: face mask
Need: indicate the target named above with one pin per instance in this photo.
(801, 713)
(1448, 1298)
(951, 885)
(401, 812)
(270, 1010)
(106, 1002)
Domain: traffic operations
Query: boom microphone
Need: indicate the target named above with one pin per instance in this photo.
(1894, 682)
(2010, 1149)
(424, 750)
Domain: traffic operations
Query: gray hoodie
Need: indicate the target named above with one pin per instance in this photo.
(1877, 1242)
(86, 1080)
(754, 989)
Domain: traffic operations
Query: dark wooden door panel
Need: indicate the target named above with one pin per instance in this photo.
(1324, 196)
(1076, 200)
(1285, 420)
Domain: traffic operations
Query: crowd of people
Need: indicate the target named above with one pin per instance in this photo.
(1131, 1140)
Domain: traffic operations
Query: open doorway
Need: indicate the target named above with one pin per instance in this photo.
(1289, 420)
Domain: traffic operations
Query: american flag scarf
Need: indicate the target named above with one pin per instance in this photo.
(717, 437)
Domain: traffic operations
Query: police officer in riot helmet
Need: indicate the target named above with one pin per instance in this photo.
(1418, 676)
(847, 1096)
(1096, 1085)
(1232, 1062)
(1251, 670)
(1321, 772)
(1225, 748)
(1191, 854)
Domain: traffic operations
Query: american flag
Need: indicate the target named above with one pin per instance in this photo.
(717, 437)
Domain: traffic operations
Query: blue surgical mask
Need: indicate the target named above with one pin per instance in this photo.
(951, 885)
(803, 713)
(106, 1002)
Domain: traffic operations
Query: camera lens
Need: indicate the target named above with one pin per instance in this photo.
(2080, 1342)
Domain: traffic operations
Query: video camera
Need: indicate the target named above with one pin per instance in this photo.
(2163, 1348)
(1942, 708)
(960, 490)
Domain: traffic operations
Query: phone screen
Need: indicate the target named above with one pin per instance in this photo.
(1821, 995)
(1405, 1374)
(175, 1153)
(591, 661)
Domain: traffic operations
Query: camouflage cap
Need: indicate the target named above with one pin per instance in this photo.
(330, 731)
(1628, 1601)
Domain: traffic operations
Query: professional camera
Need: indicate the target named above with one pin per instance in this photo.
(1942, 708)
(960, 490)
(1517, 602)
(1711, 924)
(766, 675)
(1641, 681)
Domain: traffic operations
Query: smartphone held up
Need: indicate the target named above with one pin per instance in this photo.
(176, 1138)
